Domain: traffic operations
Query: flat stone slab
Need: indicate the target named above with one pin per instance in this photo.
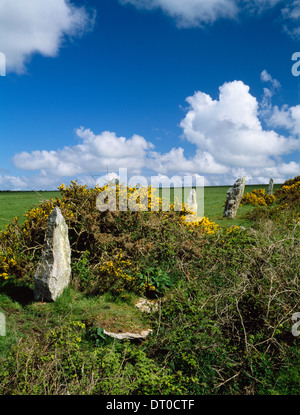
(142, 335)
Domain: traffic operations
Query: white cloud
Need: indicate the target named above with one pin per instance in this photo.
(291, 15)
(229, 129)
(193, 13)
(37, 26)
(286, 117)
(96, 153)
(190, 12)
(227, 132)
(175, 162)
(266, 107)
(8, 182)
(259, 6)
(266, 77)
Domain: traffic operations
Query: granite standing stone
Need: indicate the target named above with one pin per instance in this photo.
(234, 197)
(192, 206)
(271, 187)
(2, 325)
(54, 270)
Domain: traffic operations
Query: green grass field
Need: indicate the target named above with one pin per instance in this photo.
(14, 204)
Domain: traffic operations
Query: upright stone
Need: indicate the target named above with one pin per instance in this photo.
(2, 325)
(271, 187)
(234, 197)
(53, 273)
(192, 205)
(192, 201)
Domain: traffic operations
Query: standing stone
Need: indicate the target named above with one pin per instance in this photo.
(2, 325)
(53, 273)
(192, 201)
(192, 206)
(234, 197)
(271, 186)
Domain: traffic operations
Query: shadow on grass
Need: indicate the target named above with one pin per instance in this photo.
(22, 294)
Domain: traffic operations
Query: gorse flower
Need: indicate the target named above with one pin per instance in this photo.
(204, 225)
(258, 197)
(289, 193)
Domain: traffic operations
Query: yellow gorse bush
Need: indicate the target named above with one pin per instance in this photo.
(232, 229)
(258, 197)
(8, 263)
(289, 193)
(118, 274)
(115, 197)
(204, 225)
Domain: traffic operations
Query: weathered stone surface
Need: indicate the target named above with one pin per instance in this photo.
(127, 335)
(2, 325)
(192, 206)
(271, 187)
(192, 201)
(146, 305)
(54, 270)
(234, 197)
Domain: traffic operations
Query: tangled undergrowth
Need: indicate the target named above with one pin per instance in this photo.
(226, 301)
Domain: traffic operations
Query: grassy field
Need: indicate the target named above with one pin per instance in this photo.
(17, 203)
(14, 204)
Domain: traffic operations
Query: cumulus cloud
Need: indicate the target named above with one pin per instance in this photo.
(97, 152)
(286, 117)
(38, 27)
(230, 129)
(8, 182)
(175, 161)
(229, 138)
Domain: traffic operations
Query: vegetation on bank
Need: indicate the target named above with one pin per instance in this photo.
(225, 295)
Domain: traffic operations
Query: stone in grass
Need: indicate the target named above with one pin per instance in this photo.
(53, 273)
(234, 197)
(146, 306)
(142, 335)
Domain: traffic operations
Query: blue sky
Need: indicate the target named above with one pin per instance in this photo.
(160, 87)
